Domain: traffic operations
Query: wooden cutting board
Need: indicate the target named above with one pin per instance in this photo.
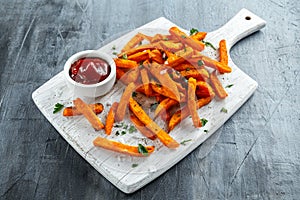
(130, 173)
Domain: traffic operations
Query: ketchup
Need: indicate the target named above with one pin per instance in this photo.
(89, 70)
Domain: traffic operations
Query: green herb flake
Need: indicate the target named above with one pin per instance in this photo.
(117, 133)
(193, 31)
(183, 36)
(140, 43)
(115, 53)
(229, 86)
(123, 132)
(134, 165)
(113, 47)
(125, 126)
(187, 69)
(142, 150)
(203, 121)
(153, 106)
(224, 110)
(200, 63)
(185, 141)
(205, 131)
(208, 44)
(134, 94)
(132, 129)
(125, 56)
(57, 107)
(165, 39)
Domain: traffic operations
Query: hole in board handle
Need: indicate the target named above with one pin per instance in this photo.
(248, 18)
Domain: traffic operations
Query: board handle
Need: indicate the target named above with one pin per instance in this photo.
(240, 26)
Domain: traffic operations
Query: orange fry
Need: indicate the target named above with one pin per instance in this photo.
(221, 67)
(88, 113)
(199, 74)
(216, 84)
(110, 118)
(164, 78)
(145, 80)
(139, 56)
(192, 102)
(133, 42)
(164, 137)
(195, 44)
(156, 56)
(139, 49)
(199, 36)
(171, 46)
(164, 105)
(180, 115)
(204, 90)
(141, 127)
(120, 147)
(72, 111)
(127, 64)
(121, 110)
(130, 76)
(223, 52)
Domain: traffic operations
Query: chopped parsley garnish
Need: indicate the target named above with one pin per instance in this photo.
(124, 56)
(117, 133)
(57, 107)
(113, 47)
(165, 39)
(115, 53)
(203, 121)
(134, 165)
(200, 63)
(185, 141)
(193, 31)
(142, 150)
(224, 110)
(125, 126)
(123, 132)
(140, 43)
(183, 36)
(229, 86)
(205, 131)
(134, 94)
(132, 129)
(153, 106)
(187, 69)
(208, 44)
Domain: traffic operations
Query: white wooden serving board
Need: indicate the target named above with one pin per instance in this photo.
(118, 168)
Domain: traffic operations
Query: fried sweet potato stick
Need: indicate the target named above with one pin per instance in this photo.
(120, 147)
(180, 115)
(125, 64)
(156, 56)
(192, 102)
(204, 90)
(217, 86)
(139, 49)
(130, 76)
(145, 80)
(223, 52)
(180, 56)
(133, 42)
(164, 137)
(195, 44)
(199, 74)
(121, 110)
(72, 111)
(88, 113)
(171, 46)
(199, 36)
(164, 105)
(221, 67)
(110, 118)
(164, 78)
(160, 89)
(139, 56)
(141, 127)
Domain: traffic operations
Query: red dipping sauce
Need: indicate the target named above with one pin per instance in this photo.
(89, 70)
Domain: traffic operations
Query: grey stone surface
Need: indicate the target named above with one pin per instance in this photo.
(256, 155)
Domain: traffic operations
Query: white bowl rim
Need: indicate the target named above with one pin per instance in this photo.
(90, 53)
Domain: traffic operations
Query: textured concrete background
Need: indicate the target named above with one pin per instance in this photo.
(256, 155)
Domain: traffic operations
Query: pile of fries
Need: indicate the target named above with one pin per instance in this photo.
(170, 68)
